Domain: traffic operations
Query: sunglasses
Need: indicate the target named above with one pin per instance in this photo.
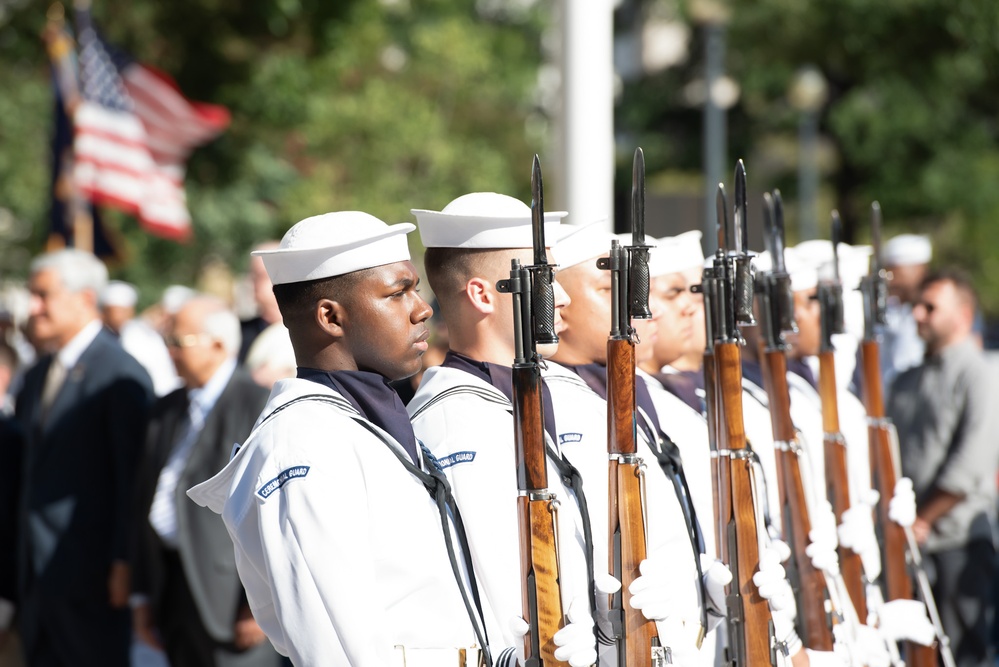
(187, 340)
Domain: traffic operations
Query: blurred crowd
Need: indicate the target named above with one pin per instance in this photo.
(108, 414)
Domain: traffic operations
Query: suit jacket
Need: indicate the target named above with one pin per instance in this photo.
(79, 472)
(11, 451)
(203, 543)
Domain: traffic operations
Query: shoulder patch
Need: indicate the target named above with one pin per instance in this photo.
(569, 437)
(455, 459)
(286, 476)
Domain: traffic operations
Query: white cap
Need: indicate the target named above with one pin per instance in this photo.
(273, 346)
(578, 243)
(174, 298)
(907, 250)
(803, 275)
(854, 261)
(483, 220)
(673, 254)
(119, 293)
(333, 244)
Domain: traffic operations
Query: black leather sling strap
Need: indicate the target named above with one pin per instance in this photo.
(437, 486)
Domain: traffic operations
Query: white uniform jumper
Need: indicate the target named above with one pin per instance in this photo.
(468, 425)
(339, 546)
(581, 416)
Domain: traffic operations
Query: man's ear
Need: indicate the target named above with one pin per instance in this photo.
(481, 293)
(331, 316)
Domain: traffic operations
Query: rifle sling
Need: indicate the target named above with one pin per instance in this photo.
(668, 455)
(436, 484)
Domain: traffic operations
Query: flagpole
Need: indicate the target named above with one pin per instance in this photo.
(60, 47)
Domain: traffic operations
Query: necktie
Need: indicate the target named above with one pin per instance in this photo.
(54, 380)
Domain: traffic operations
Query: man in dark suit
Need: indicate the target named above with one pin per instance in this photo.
(83, 411)
(189, 598)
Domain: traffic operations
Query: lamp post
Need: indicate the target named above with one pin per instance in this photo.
(712, 16)
(807, 95)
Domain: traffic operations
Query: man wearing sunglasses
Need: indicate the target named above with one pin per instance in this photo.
(189, 597)
(945, 412)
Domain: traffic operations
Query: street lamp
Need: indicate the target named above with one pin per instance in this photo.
(807, 95)
(712, 16)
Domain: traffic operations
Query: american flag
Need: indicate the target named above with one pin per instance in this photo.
(134, 132)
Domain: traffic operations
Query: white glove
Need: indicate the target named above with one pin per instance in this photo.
(822, 540)
(900, 620)
(870, 648)
(857, 533)
(575, 641)
(717, 576)
(902, 506)
(782, 548)
(654, 592)
(821, 550)
(771, 580)
(834, 658)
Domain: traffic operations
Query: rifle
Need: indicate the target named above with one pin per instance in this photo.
(776, 304)
(728, 295)
(638, 638)
(898, 542)
(830, 295)
(534, 324)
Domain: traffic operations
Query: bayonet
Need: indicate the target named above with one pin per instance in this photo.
(638, 252)
(543, 295)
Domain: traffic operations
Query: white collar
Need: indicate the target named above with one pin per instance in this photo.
(74, 349)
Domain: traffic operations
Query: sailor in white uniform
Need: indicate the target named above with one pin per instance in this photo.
(578, 387)
(463, 412)
(346, 538)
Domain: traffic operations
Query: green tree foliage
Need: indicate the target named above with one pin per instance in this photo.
(911, 116)
(377, 105)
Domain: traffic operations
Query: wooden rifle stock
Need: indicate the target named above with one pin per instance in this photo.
(738, 516)
(627, 533)
(837, 480)
(898, 581)
(542, 599)
(817, 631)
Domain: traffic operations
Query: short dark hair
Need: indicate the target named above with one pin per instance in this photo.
(957, 277)
(296, 300)
(450, 268)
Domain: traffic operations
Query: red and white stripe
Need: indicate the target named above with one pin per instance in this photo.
(134, 161)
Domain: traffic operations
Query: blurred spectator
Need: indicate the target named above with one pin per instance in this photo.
(189, 599)
(83, 410)
(263, 294)
(907, 259)
(271, 356)
(945, 411)
(8, 370)
(138, 338)
(11, 444)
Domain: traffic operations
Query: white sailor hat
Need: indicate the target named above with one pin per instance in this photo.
(333, 244)
(803, 275)
(174, 298)
(483, 220)
(674, 254)
(854, 261)
(119, 293)
(578, 243)
(907, 250)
